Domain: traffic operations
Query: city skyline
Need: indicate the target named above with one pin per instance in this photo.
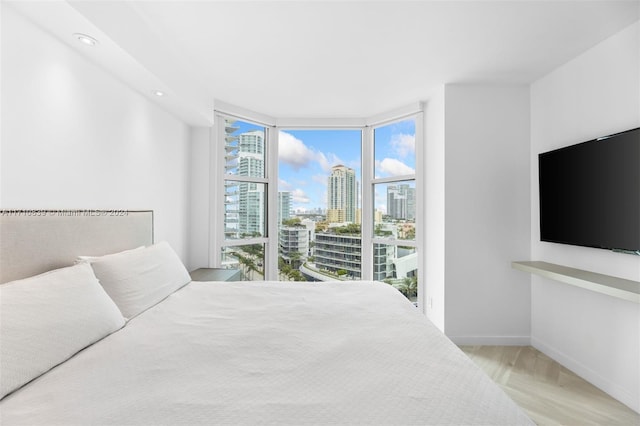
(306, 158)
(335, 250)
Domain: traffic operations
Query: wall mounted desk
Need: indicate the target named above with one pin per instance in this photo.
(600, 283)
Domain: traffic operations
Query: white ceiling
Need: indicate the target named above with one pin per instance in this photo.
(326, 58)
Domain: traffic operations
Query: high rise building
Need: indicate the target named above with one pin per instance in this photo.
(401, 202)
(244, 201)
(342, 196)
(231, 213)
(284, 206)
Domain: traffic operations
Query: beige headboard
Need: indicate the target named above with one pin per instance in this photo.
(36, 241)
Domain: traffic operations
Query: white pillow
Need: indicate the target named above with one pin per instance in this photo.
(138, 279)
(81, 259)
(46, 319)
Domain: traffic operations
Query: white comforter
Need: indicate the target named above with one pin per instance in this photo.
(268, 353)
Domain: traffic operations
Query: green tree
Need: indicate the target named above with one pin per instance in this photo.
(351, 228)
(295, 221)
(247, 256)
(297, 276)
(295, 259)
(381, 232)
(408, 286)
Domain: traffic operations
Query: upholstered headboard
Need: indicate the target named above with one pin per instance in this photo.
(36, 241)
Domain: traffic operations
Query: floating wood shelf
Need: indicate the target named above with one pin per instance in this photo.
(605, 284)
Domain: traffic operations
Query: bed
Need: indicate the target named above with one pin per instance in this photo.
(222, 352)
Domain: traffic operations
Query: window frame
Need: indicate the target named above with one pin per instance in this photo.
(395, 179)
(369, 238)
(272, 127)
(219, 177)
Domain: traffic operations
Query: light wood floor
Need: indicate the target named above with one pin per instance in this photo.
(548, 392)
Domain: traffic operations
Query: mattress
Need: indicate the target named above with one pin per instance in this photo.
(266, 353)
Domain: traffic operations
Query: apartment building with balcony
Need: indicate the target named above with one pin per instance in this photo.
(294, 244)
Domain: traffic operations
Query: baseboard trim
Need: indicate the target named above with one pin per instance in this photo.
(491, 340)
(589, 375)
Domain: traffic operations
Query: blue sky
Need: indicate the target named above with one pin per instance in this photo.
(306, 158)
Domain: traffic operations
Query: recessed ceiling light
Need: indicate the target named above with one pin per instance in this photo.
(85, 39)
(158, 93)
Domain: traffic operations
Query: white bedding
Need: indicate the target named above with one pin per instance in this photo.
(268, 353)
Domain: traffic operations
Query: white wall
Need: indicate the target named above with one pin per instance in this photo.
(200, 198)
(487, 214)
(478, 212)
(597, 336)
(74, 137)
(434, 196)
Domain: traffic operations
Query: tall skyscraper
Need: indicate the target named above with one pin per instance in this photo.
(284, 206)
(341, 195)
(231, 212)
(251, 196)
(401, 201)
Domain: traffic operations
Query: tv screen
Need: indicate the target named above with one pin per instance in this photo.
(590, 193)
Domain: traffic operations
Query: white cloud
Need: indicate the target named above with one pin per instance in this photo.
(322, 160)
(283, 185)
(328, 161)
(300, 197)
(393, 167)
(403, 144)
(293, 151)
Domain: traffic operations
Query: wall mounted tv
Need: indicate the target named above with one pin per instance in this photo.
(590, 193)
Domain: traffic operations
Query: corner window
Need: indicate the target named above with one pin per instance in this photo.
(318, 203)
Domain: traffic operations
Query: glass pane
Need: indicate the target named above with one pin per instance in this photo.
(319, 204)
(395, 149)
(244, 209)
(397, 266)
(244, 149)
(249, 259)
(395, 210)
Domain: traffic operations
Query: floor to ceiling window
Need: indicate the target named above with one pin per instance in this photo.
(395, 206)
(244, 199)
(316, 203)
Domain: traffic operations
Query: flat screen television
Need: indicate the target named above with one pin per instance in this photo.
(590, 193)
